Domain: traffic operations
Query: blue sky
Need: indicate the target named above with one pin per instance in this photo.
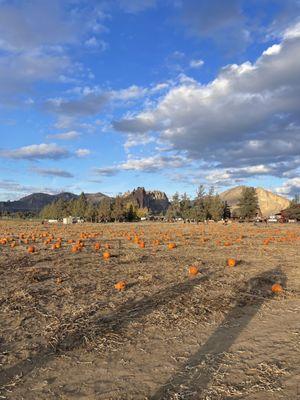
(110, 95)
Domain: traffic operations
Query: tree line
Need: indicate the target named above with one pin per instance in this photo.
(207, 205)
(107, 210)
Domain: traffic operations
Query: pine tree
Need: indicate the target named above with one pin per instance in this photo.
(185, 206)
(248, 203)
(226, 211)
(215, 208)
(174, 208)
(90, 212)
(118, 209)
(80, 206)
(104, 210)
(200, 205)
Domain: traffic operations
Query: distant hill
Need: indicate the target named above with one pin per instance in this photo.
(155, 201)
(269, 203)
(35, 202)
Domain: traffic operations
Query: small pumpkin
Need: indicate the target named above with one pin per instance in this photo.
(106, 255)
(75, 248)
(171, 246)
(97, 246)
(231, 262)
(31, 249)
(277, 288)
(193, 270)
(121, 285)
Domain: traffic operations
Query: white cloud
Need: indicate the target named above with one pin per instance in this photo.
(82, 152)
(292, 32)
(60, 173)
(107, 171)
(65, 135)
(153, 163)
(196, 63)
(247, 116)
(290, 187)
(36, 152)
(138, 140)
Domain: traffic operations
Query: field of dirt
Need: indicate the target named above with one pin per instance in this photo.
(66, 332)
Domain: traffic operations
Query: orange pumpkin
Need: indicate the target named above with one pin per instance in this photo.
(171, 246)
(75, 249)
(106, 255)
(142, 245)
(193, 271)
(97, 246)
(277, 288)
(231, 262)
(120, 285)
(31, 249)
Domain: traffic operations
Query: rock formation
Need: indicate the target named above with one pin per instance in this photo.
(269, 203)
(155, 201)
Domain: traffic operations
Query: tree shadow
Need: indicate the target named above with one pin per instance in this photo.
(91, 324)
(194, 376)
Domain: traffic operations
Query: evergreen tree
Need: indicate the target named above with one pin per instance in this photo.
(185, 206)
(248, 203)
(80, 206)
(90, 212)
(174, 208)
(118, 209)
(226, 211)
(104, 210)
(130, 213)
(199, 212)
(216, 208)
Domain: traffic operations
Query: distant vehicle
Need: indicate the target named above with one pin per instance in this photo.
(272, 218)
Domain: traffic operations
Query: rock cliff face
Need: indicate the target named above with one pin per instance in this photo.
(155, 201)
(269, 203)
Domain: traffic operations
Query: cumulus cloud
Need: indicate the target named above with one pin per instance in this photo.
(153, 163)
(35, 38)
(54, 172)
(138, 140)
(150, 164)
(19, 71)
(36, 152)
(290, 187)
(248, 116)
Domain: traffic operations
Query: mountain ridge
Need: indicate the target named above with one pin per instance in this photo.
(156, 201)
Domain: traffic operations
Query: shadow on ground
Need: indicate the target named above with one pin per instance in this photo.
(193, 377)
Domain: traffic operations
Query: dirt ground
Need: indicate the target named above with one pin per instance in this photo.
(67, 333)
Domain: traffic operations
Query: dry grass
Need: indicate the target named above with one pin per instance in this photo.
(212, 336)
